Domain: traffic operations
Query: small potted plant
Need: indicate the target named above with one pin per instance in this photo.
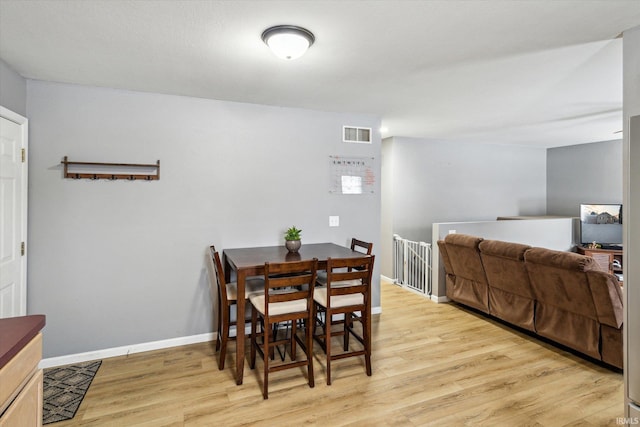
(292, 239)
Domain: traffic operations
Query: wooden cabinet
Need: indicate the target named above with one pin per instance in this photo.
(20, 379)
(609, 260)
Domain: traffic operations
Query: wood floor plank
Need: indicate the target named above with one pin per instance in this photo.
(433, 364)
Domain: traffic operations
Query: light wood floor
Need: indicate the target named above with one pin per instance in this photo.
(433, 364)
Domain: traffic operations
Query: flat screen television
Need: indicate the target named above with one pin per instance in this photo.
(601, 224)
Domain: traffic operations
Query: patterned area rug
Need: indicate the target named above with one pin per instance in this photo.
(64, 389)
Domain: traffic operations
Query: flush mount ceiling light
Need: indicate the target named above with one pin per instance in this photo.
(288, 41)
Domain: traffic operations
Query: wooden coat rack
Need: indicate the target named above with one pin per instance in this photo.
(102, 170)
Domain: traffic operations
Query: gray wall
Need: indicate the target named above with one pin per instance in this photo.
(13, 90)
(437, 181)
(119, 263)
(585, 173)
(386, 230)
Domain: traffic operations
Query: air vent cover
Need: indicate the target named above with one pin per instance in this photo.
(356, 134)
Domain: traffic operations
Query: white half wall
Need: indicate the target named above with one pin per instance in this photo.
(557, 234)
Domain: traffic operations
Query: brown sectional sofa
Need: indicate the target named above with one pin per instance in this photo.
(562, 296)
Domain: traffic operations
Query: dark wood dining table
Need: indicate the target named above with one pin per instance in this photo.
(248, 262)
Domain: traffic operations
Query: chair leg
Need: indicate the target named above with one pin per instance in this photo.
(345, 338)
(254, 327)
(327, 342)
(308, 331)
(366, 329)
(225, 338)
(293, 340)
(265, 352)
(219, 318)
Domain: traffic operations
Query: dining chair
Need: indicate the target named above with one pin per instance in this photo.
(227, 298)
(346, 300)
(287, 297)
(356, 245)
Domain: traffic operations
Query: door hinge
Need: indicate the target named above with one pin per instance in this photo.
(24, 155)
(22, 248)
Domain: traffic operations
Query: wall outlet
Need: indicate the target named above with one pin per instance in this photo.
(452, 231)
(334, 221)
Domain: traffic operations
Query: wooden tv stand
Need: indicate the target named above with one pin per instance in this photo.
(604, 258)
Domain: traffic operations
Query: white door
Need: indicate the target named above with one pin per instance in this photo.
(13, 215)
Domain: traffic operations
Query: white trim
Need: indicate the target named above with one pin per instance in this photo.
(14, 117)
(139, 348)
(125, 350)
(438, 299)
(24, 126)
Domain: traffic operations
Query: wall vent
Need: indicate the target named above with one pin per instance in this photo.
(356, 134)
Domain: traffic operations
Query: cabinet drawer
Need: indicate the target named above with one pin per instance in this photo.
(26, 409)
(15, 374)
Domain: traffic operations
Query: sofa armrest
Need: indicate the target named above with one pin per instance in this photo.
(607, 298)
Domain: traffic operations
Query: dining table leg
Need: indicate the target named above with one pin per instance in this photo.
(240, 325)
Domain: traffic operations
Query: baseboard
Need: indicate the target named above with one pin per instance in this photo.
(125, 350)
(438, 299)
(140, 348)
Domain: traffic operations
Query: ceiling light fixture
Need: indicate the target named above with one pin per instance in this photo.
(288, 41)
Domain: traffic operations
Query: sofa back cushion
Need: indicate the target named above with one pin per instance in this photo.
(510, 294)
(565, 310)
(607, 297)
(448, 269)
(504, 266)
(446, 261)
(559, 279)
(470, 283)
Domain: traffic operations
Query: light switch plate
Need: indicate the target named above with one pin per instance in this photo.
(452, 231)
(334, 221)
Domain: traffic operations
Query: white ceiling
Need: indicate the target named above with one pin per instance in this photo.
(534, 72)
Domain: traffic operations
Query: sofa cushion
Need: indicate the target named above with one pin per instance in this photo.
(508, 250)
(504, 266)
(559, 279)
(470, 283)
(607, 297)
(448, 269)
(561, 260)
(465, 257)
(510, 294)
(573, 330)
(612, 345)
(565, 311)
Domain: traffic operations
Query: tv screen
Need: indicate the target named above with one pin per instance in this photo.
(601, 224)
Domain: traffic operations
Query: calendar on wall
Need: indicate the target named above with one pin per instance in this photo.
(351, 175)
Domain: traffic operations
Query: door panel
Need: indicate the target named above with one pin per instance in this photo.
(12, 217)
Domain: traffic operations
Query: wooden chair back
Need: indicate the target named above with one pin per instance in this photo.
(361, 246)
(219, 276)
(358, 274)
(289, 281)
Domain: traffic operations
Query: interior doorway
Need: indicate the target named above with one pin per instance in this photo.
(13, 214)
